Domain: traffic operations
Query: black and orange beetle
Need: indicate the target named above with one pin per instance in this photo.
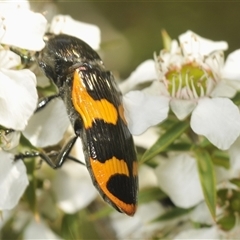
(94, 106)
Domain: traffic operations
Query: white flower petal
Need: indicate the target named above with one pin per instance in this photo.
(73, 187)
(182, 108)
(87, 32)
(23, 28)
(147, 139)
(217, 119)
(13, 180)
(9, 59)
(143, 111)
(157, 88)
(18, 97)
(47, 126)
(224, 89)
(123, 225)
(201, 214)
(203, 233)
(6, 5)
(178, 178)
(231, 68)
(39, 230)
(147, 178)
(145, 72)
(140, 225)
(195, 45)
(222, 174)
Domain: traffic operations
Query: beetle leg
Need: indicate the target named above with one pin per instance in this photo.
(69, 157)
(44, 101)
(75, 160)
(60, 158)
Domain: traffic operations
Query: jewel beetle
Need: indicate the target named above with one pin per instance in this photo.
(95, 109)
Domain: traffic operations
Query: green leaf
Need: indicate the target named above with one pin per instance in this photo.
(30, 193)
(150, 194)
(223, 197)
(221, 158)
(235, 204)
(227, 222)
(70, 226)
(235, 181)
(165, 140)
(234, 201)
(101, 213)
(236, 99)
(78, 226)
(180, 146)
(207, 178)
(172, 214)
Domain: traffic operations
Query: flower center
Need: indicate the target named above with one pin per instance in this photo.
(191, 81)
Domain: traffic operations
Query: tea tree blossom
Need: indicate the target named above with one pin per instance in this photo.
(72, 184)
(23, 29)
(19, 27)
(178, 176)
(13, 181)
(190, 78)
(66, 24)
(39, 230)
(15, 111)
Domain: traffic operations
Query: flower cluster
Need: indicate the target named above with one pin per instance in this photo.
(193, 92)
(186, 120)
(22, 31)
(189, 78)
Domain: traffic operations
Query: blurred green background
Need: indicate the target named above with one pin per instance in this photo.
(131, 30)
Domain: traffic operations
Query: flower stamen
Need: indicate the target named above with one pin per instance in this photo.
(173, 86)
(189, 81)
(193, 87)
(190, 94)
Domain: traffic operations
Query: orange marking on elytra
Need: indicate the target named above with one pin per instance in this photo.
(91, 109)
(103, 172)
(121, 114)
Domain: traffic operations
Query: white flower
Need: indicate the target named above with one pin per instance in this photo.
(139, 226)
(201, 214)
(21, 28)
(39, 230)
(73, 187)
(178, 178)
(18, 97)
(87, 32)
(202, 233)
(72, 184)
(213, 232)
(190, 78)
(47, 126)
(13, 180)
